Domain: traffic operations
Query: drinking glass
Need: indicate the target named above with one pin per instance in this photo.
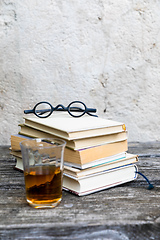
(43, 171)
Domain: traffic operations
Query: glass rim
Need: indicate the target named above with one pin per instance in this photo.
(60, 142)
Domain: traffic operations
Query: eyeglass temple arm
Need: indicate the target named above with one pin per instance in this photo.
(93, 115)
(28, 111)
(91, 109)
(76, 109)
(37, 111)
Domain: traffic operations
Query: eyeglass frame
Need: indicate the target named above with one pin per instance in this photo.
(60, 107)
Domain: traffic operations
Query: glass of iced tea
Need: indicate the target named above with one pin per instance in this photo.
(43, 171)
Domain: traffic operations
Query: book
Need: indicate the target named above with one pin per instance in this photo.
(108, 164)
(89, 155)
(67, 127)
(16, 153)
(15, 141)
(97, 161)
(72, 167)
(19, 163)
(75, 144)
(100, 181)
(33, 133)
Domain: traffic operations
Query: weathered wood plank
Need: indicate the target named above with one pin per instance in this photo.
(129, 211)
(123, 232)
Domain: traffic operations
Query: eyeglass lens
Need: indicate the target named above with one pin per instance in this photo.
(76, 109)
(43, 110)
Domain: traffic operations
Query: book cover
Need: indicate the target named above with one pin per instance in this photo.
(16, 139)
(89, 155)
(67, 127)
(108, 163)
(101, 181)
(75, 144)
(70, 168)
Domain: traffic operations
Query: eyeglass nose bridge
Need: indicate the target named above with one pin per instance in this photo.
(60, 107)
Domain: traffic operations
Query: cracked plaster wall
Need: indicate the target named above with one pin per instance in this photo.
(103, 52)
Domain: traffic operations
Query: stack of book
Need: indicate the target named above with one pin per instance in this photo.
(95, 156)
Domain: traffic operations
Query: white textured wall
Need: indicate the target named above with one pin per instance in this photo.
(103, 52)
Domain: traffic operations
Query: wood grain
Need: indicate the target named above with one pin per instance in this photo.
(129, 211)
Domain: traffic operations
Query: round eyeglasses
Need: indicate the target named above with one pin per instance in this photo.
(75, 109)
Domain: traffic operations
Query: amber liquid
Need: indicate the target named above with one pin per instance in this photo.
(43, 186)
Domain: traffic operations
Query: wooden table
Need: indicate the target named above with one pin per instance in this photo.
(129, 211)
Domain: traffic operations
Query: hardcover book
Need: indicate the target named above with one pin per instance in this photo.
(100, 181)
(108, 163)
(80, 158)
(67, 127)
(75, 144)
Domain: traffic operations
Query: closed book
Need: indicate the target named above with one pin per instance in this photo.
(19, 163)
(16, 139)
(67, 127)
(99, 167)
(94, 166)
(88, 155)
(100, 181)
(75, 144)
